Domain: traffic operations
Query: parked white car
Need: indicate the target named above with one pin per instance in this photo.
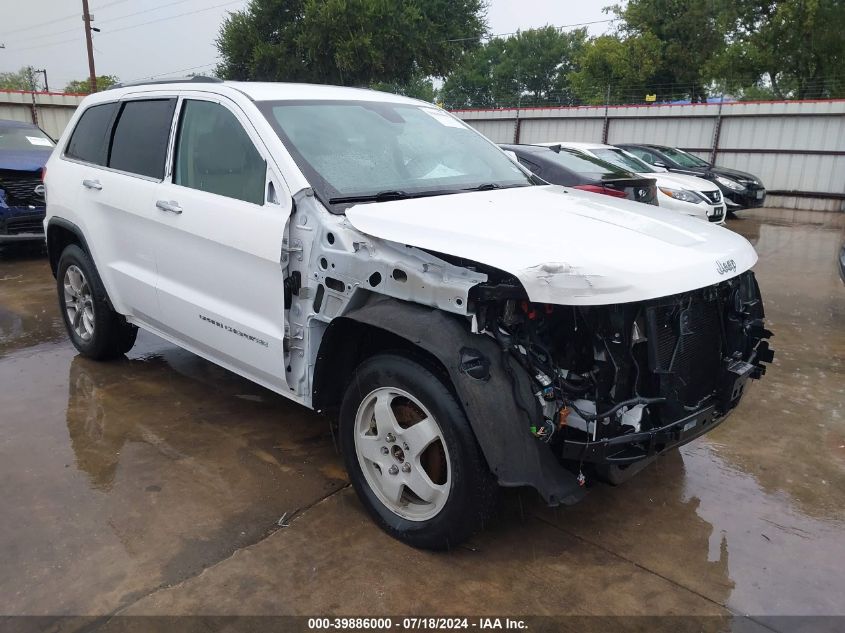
(686, 194)
(371, 256)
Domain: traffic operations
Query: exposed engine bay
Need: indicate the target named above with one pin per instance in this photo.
(620, 383)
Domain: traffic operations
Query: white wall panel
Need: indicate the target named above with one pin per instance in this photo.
(550, 130)
(802, 133)
(497, 131)
(690, 132)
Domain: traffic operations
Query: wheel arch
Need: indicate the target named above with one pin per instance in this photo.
(347, 343)
(62, 233)
(514, 456)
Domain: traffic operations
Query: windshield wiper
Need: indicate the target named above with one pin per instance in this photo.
(387, 196)
(396, 194)
(381, 196)
(490, 186)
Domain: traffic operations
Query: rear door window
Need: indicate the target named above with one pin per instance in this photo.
(215, 154)
(141, 134)
(90, 139)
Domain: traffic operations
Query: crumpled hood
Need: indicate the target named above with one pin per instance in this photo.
(25, 159)
(566, 246)
(681, 181)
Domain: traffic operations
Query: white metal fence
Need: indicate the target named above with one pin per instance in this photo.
(797, 148)
(51, 111)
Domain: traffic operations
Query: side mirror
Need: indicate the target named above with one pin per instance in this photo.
(659, 163)
(512, 155)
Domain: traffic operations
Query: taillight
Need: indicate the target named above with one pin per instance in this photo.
(607, 191)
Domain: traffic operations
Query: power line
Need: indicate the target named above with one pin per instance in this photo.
(559, 28)
(62, 19)
(171, 17)
(49, 44)
(172, 72)
(166, 5)
(109, 4)
(133, 26)
(40, 24)
(114, 19)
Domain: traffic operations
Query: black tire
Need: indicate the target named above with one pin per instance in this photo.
(112, 336)
(473, 492)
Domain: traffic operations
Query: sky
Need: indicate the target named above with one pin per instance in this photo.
(139, 39)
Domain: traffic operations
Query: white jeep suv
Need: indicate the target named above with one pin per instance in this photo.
(371, 256)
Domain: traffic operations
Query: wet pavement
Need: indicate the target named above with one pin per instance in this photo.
(155, 485)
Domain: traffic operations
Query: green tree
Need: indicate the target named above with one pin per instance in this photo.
(621, 69)
(347, 42)
(476, 82)
(782, 48)
(83, 86)
(539, 61)
(20, 80)
(532, 67)
(688, 35)
(419, 87)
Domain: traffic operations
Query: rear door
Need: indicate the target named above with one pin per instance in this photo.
(119, 169)
(222, 213)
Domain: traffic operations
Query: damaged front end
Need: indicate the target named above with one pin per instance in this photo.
(619, 384)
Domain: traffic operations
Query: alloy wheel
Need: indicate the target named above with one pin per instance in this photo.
(79, 302)
(402, 453)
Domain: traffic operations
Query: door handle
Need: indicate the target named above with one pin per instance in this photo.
(92, 184)
(171, 206)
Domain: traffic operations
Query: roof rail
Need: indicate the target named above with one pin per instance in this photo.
(195, 79)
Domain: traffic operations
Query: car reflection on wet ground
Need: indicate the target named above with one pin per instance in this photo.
(162, 484)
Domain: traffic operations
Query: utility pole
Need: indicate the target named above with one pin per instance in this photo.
(30, 78)
(717, 129)
(86, 16)
(43, 71)
(605, 129)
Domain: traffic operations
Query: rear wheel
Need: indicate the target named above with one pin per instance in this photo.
(94, 328)
(411, 455)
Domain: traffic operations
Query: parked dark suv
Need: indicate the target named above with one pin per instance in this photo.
(24, 148)
(741, 189)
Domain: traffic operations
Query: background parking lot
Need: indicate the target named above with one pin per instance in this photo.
(162, 484)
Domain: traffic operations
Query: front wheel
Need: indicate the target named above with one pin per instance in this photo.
(411, 454)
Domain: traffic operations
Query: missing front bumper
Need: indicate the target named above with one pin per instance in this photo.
(635, 447)
(631, 448)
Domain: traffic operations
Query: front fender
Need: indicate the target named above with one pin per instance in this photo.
(501, 428)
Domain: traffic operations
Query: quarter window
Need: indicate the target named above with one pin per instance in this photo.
(215, 154)
(534, 168)
(90, 139)
(644, 155)
(140, 138)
